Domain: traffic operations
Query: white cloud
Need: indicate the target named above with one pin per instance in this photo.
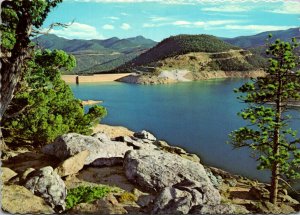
(289, 7)
(113, 17)
(227, 8)
(158, 18)
(199, 23)
(108, 27)
(182, 23)
(78, 31)
(125, 26)
(189, 24)
(124, 14)
(257, 28)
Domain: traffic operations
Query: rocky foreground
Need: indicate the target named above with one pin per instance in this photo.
(146, 176)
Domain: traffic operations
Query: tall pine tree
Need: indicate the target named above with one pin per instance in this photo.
(268, 100)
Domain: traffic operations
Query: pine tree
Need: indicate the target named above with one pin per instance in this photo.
(44, 107)
(268, 99)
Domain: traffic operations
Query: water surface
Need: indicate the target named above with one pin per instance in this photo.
(197, 116)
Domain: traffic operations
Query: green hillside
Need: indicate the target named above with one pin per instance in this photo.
(182, 44)
(216, 55)
(96, 56)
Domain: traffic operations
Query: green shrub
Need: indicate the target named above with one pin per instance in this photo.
(127, 197)
(86, 194)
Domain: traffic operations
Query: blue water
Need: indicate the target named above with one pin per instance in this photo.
(197, 116)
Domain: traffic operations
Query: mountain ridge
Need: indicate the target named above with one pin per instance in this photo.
(97, 55)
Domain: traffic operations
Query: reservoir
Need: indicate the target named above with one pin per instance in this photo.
(197, 116)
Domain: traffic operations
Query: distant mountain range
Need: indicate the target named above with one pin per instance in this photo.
(257, 40)
(97, 55)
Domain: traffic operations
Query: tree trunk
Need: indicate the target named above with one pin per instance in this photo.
(274, 183)
(12, 63)
(276, 149)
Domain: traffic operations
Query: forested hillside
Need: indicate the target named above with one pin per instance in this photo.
(97, 55)
(210, 53)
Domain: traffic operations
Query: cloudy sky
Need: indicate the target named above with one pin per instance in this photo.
(158, 19)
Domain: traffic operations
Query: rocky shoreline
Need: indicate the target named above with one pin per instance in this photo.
(175, 76)
(147, 176)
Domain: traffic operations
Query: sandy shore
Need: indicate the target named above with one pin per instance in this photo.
(94, 78)
(90, 102)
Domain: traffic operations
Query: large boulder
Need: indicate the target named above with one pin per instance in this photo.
(182, 197)
(70, 144)
(156, 169)
(73, 164)
(17, 199)
(47, 184)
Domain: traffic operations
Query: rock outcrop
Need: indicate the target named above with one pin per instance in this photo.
(19, 200)
(70, 144)
(157, 169)
(182, 197)
(47, 184)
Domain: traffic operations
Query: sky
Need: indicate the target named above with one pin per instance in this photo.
(159, 19)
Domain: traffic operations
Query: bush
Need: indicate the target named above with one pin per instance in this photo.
(86, 194)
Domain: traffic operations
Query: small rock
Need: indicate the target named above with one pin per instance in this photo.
(47, 184)
(18, 200)
(73, 164)
(7, 174)
(145, 200)
(145, 135)
(111, 199)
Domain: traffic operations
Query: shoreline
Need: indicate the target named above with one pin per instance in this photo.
(94, 78)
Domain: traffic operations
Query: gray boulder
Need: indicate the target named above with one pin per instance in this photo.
(144, 135)
(182, 197)
(156, 169)
(70, 144)
(47, 184)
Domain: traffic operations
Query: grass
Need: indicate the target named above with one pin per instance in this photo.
(86, 194)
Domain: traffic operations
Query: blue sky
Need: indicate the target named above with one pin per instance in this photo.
(159, 19)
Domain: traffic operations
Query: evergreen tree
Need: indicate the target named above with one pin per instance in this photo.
(44, 107)
(268, 98)
(20, 18)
